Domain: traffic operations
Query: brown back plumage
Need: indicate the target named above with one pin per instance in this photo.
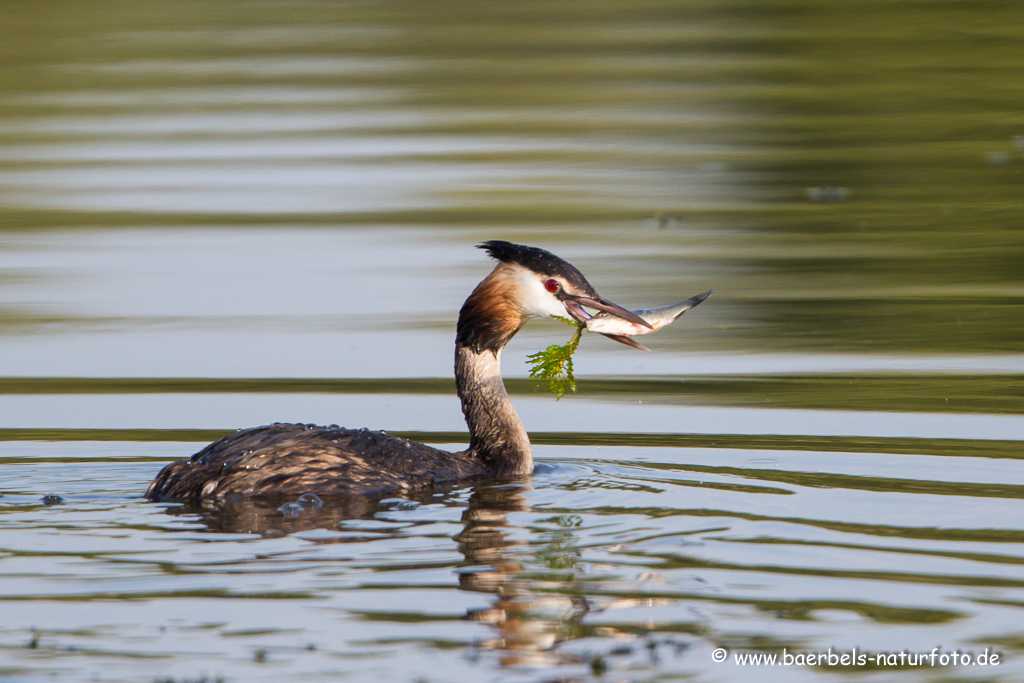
(292, 459)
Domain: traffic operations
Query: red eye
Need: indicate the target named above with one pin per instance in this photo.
(551, 285)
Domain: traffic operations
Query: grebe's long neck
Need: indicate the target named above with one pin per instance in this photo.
(487, 321)
(496, 435)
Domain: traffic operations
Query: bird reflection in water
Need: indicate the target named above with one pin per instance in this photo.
(539, 589)
(528, 625)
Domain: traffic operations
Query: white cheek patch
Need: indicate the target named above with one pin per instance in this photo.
(533, 298)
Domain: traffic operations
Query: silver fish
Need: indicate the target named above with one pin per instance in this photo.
(623, 331)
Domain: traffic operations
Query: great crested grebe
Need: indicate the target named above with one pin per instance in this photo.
(293, 459)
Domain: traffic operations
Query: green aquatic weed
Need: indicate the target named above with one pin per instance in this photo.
(554, 365)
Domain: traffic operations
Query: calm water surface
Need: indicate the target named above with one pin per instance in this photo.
(220, 215)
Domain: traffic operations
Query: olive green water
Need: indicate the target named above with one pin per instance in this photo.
(216, 215)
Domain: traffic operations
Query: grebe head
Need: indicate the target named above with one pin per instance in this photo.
(540, 284)
(527, 282)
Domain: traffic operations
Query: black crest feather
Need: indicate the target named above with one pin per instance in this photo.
(538, 260)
